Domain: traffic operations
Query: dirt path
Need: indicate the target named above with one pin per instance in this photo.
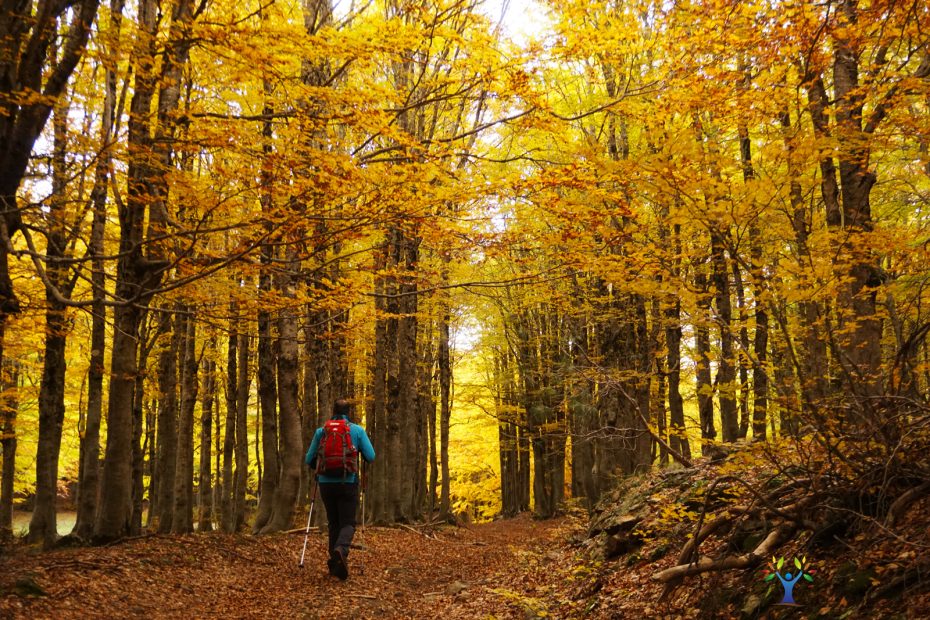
(488, 570)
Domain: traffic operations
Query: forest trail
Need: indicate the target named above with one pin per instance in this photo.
(480, 571)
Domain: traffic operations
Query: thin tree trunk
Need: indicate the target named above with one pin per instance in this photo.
(151, 441)
(9, 406)
(267, 386)
(216, 494)
(183, 516)
(813, 375)
(726, 369)
(89, 478)
(205, 483)
(433, 451)
(310, 410)
(743, 356)
(679, 434)
(290, 457)
(426, 409)
(242, 432)
(138, 429)
(583, 422)
(43, 525)
(658, 394)
(229, 443)
(702, 375)
(406, 408)
(760, 341)
(445, 414)
(166, 451)
(267, 398)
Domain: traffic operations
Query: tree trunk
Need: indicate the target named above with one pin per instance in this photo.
(267, 385)
(760, 378)
(140, 265)
(812, 373)
(35, 59)
(538, 354)
(9, 405)
(406, 409)
(310, 408)
(115, 511)
(658, 396)
(679, 434)
(205, 483)
(583, 421)
(89, 469)
(167, 450)
(183, 516)
(138, 428)
(743, 356)
(445, 414)
(514, 447)
(290, 456)
(705, 390)
(267, 398)
(43, 525)
(242, 433)
(426, 410)
(433, 482)
(229, 520)
(377, 487)
(862, 346)
(726, 369)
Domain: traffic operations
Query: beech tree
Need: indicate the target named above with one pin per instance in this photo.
(675, 226)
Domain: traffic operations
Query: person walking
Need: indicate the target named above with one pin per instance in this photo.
(334, 455)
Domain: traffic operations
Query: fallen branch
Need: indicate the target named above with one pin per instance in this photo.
(910, 576)
(301, 530)
(776, 537)
(686, 552)
(675, 453)
(900, 505)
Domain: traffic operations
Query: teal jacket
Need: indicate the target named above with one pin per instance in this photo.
(359, 440)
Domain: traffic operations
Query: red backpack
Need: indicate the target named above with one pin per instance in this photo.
(338, 457)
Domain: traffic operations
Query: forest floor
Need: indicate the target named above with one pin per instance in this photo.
(516, 568)
(479, 571)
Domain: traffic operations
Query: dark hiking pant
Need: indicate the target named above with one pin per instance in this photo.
(341, 502)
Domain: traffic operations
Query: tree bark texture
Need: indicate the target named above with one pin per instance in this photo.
(43, 526)
(182, 521)
(9, 406)
(167, 435)
(205, 501)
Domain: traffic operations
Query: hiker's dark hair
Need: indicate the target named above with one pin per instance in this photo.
(341, 408)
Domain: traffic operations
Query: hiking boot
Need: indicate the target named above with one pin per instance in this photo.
(340, 567)
(331, 565)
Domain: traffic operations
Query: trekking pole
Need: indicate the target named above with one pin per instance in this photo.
(364, 476)
(362, 482)
(362, 498)
(309, 518)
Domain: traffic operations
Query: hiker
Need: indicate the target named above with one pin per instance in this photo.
(333, 454)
